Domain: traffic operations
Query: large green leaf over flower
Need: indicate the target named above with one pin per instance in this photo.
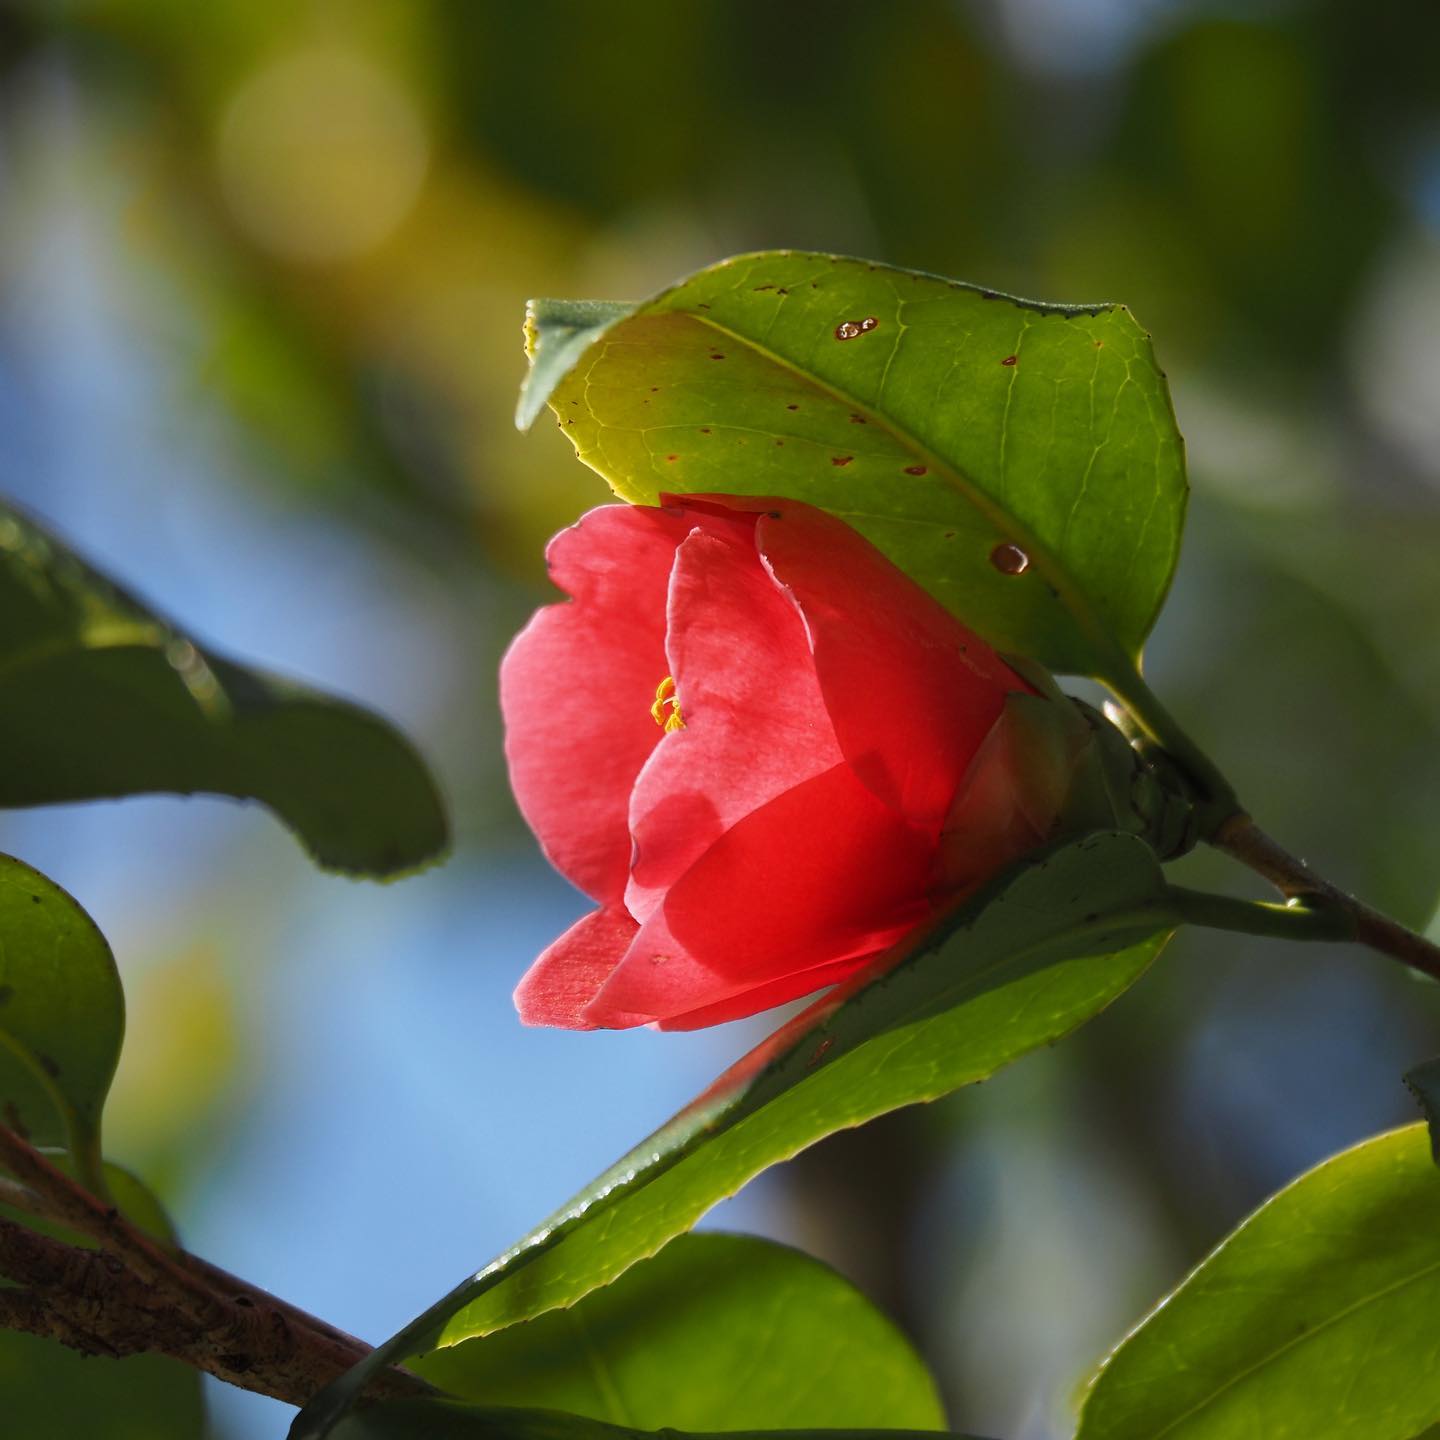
(967, 434)
(1024, 963)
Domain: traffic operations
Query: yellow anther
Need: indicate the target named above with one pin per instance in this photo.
(665, 696)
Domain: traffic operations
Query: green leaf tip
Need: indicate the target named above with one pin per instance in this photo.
(557, 333)
(62, 1017)
(101, 697)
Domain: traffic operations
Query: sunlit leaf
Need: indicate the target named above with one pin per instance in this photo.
(100, 697)
(720, 1332)
(1316, 1318)
(1021, 965)
(62, 1015)
(1021, 460)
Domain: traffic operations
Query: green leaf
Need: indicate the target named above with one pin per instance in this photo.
(100, 697)
(1315, 1318)
(1020, 965)
(62, 1016)
(958, 422)
(663, 1346)
(50, 1393)
(453, 1420)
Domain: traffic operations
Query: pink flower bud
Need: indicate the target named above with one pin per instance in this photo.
(764, 751)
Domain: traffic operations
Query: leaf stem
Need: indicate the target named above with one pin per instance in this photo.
(1240, 837)
(1295, 920)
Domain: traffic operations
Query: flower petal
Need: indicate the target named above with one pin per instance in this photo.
(576, 688)
(911, 692)
(556, 989)
(767, 996)
(823, 873)
(755, 722)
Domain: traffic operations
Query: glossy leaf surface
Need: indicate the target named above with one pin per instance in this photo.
(663, 1346)
(1315, 1318)
(1019, 966)
(1021, 460)
(62, 1014)
(100, 697)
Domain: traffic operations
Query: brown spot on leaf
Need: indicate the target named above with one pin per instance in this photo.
(672, 458)
(841, 459)
(917, 469)
(1010, 360)
(1009, 559)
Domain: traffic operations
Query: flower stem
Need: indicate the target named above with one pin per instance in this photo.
(1218, 800)
(1292, 877)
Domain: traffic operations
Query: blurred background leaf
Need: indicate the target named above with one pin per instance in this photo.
(62, 1016)
(220, 362)
(100, 697)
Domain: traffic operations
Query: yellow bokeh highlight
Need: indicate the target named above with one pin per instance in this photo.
(321, 155)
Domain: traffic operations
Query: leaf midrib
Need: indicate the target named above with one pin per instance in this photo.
(1075, 601)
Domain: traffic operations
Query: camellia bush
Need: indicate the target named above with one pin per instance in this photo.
(793, 724)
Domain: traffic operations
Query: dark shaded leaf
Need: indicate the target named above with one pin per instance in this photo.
(100, 697)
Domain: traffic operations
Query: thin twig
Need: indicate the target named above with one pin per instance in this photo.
(1293, 878)
(133, 1296)
(75, 1208)
(91, 1302)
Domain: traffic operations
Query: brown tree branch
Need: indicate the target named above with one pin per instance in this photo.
(1294, 879)
(132, 1296)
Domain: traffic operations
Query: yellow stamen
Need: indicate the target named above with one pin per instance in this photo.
(665, 695)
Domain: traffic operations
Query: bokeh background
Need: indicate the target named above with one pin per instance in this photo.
(262, 270)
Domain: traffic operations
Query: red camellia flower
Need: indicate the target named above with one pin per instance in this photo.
(765, 752)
